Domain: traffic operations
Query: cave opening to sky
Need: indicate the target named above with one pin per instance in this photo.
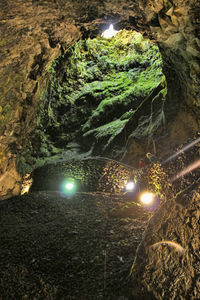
(101, 92)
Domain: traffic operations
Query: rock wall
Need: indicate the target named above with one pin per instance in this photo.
(34, 32)
(164, 271)
(174, 25)
(167, 263)
(31, 36)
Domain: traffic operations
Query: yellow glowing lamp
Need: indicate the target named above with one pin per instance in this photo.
(110, 32)
(147, 198)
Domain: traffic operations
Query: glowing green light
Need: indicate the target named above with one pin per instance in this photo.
(69, 186)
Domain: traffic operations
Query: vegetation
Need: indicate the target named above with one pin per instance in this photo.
(99, 94)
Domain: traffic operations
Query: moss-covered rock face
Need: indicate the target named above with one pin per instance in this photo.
(101, 91)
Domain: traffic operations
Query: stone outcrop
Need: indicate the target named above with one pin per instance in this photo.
(175, 26)
(167, 263)
(30, 32)
(33, 33)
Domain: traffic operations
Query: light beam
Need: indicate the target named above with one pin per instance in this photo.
(182, 150)
(188, 169)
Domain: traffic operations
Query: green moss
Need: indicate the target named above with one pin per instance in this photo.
(3, 42)
(5, 114)
(101, 87)
(99, 57)
(110, 131)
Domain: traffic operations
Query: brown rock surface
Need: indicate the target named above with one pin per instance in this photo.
(167, 264)
(29, 42)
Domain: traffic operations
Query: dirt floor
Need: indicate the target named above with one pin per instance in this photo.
(81, 247)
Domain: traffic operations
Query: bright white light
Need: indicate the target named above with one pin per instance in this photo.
(109, 33)
(130, 186)
(147, 198)
(69, 186)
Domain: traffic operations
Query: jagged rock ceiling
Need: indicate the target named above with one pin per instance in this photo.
(33, 33)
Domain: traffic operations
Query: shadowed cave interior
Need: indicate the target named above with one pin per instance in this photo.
(78, 114)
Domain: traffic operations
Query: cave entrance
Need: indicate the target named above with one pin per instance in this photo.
(102, 93)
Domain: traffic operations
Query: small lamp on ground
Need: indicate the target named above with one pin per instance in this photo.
(147, 198)
(68, 187)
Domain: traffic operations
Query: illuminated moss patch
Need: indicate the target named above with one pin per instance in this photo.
(98, 92)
